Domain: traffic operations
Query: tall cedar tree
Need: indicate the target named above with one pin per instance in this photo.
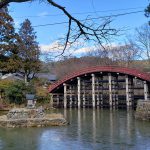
(29, 51)
(9, 61)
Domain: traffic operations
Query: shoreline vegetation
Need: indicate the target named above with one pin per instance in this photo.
(13, 94)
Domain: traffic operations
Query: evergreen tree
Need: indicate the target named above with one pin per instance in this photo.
(8, 43)
(29, 51)
(147, 11)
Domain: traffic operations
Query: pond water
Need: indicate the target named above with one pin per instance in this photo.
(88, 130)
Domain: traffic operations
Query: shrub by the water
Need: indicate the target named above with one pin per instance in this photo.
(16, 92)
(4, 85)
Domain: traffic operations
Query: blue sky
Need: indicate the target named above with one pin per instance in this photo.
(36, 12)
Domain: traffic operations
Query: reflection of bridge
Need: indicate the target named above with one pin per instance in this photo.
(101, 86)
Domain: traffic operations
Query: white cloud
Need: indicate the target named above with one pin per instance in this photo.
(42, 14)
(82, 50)
(77, 49)
(57, 47)
(53, 51)
(52, 47)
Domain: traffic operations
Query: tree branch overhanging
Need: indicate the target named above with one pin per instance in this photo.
(88, 31)
(4, 3)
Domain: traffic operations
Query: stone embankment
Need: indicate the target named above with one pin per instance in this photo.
(22, 117)
(143, 110)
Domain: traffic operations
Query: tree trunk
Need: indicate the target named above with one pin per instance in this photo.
(25, 78)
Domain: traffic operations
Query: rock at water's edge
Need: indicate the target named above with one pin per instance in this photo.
(143, 110)
(31, 118)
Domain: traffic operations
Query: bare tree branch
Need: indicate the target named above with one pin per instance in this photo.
(6, 2)
(67, 36)
(88, 30)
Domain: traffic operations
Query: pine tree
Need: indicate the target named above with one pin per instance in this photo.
(29, 51)
(8, 43)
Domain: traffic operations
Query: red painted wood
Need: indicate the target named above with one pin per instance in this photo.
(123, 70)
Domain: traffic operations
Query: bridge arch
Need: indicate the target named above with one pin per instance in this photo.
(102, 85)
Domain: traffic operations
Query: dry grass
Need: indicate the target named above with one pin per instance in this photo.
(4, 117)
(54, 115)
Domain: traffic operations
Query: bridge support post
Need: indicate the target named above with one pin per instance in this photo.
(79, 91)
(57, 97)
(129, 91)
(145, 91)
(101, 91)
(110, 89)
(115, 91)
(51, 100)
(70, 96)
(65, 95)
(83, 93)
(93, 90)
(97, 93)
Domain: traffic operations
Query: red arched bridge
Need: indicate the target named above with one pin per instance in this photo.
(101, 86)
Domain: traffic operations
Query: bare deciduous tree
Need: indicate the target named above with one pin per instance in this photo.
(124, 54)
(142, 41)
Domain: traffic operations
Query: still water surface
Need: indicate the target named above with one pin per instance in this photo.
(88, 130)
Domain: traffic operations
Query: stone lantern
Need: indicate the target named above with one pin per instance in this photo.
(31, 101)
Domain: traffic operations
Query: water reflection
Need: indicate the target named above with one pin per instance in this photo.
(79, 124)
(15, 139)
(1, 144)
(94, 126)
(89, 129)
